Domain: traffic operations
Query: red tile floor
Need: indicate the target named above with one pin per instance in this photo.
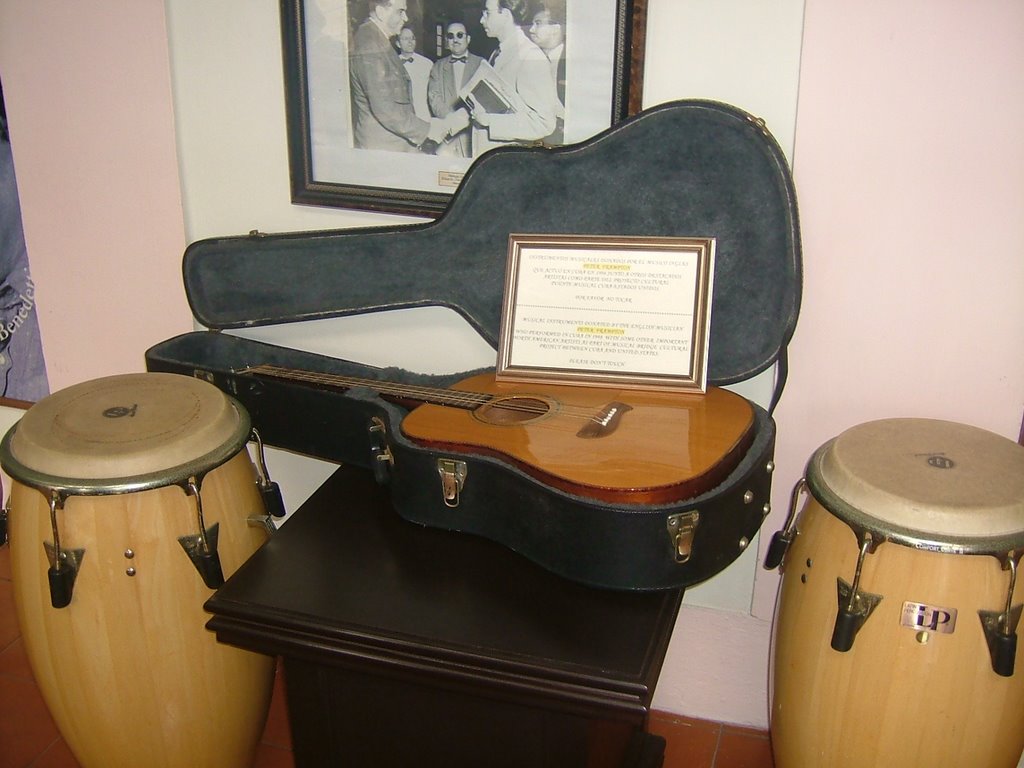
(28, 736)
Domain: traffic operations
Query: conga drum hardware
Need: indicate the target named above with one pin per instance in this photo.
(908, 529)
(64, 563)
(783, 538)
(201, 547)
(271, 491)
(1000, 627)
(855, 606)
(113, 479)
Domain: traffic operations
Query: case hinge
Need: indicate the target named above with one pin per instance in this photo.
(682, 527)
(453, 477)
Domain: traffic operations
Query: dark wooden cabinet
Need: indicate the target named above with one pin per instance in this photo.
(408, 646)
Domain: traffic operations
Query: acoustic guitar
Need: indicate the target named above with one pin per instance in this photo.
(614, 445)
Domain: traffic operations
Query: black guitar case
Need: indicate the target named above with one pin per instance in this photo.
(687, 168)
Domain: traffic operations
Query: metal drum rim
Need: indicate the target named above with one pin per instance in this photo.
(884, 531)
(109, 486)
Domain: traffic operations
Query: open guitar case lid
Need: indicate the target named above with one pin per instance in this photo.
(687, 168)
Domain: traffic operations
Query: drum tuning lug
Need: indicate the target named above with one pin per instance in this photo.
(201, 548)
(273, 501)
(854, 609)
(62, 573)
(1001, 627)
(777, 549)
(62, 583)
(204, 557)
(64, 563)
(782, 539)
(1001, 636)
(3, 526)
(855, 606)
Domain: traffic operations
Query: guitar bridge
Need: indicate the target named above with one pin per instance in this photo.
(605, 421)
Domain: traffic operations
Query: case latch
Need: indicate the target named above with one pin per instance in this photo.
(682, 527)
(380, 452)
(453, 477)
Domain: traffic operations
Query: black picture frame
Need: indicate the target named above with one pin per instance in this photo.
(315, 39)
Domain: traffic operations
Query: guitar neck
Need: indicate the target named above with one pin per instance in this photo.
(403, 393)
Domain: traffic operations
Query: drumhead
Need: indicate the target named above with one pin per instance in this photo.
(925, 483)
(124, 432)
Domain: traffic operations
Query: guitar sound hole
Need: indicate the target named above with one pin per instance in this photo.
(511, 411)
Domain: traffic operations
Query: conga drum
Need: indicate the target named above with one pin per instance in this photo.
(895, 639)
(129, 504)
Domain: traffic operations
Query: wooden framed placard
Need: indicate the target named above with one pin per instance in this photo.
(606, 310)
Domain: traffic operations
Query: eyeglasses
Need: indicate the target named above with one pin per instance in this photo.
(455, 35)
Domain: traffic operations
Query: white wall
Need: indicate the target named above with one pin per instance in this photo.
(225, 191)
(908, 166)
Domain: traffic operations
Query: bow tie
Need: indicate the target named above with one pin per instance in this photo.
(407, 59)
(459, 58)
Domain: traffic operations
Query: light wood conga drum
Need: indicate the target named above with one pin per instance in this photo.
(129, 504)
(896, 630)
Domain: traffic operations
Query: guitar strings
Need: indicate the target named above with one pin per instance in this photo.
(450, 397)
(676, 455)
(454, 397)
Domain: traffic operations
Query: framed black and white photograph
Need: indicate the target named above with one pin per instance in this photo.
(389, 103)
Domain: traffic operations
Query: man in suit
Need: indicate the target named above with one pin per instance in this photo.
(418, 66)
(447, 76)
(526, 71)
(382, 109)
(548, 32)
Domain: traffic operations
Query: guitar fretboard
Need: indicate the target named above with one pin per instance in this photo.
(448, 397)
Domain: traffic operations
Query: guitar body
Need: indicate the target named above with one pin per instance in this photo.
(665, 500)
(620, 488)
(616, 445)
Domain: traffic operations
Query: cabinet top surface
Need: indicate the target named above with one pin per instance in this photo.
(347, 574)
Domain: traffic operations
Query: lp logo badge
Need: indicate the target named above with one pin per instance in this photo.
(918, 616)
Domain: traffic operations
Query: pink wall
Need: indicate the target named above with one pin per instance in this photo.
(909, 167)
(87, 87)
